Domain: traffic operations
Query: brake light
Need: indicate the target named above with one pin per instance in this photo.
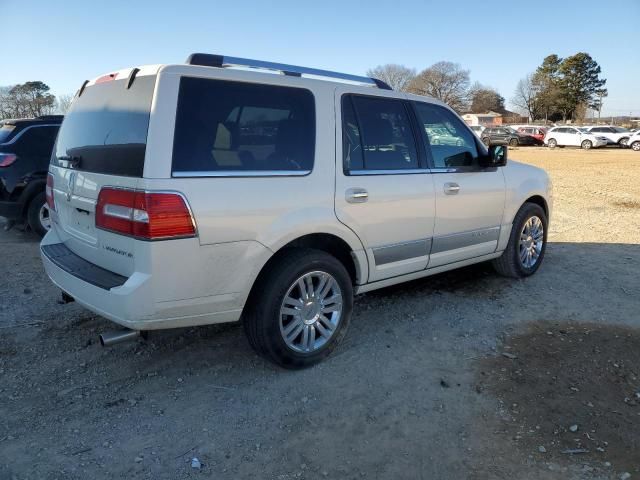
(49, 193)
(144, 215)
(7, 159)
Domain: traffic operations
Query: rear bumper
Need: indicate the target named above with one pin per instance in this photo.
(132, 304)
(11, 210)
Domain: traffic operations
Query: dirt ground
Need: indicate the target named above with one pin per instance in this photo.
(461, 375)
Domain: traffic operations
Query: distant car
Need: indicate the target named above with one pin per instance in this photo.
(615, 135)
(536, 132)
(477, 129)
(25, 151)
(506, 136)
(634, 141)
(573, 137)
(441, 136)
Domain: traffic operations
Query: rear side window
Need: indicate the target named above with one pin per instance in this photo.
(377, 135)
(224, 127)
(37, 141)
(105, 130)
(6, 132)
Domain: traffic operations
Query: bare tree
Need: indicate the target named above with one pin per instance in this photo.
(484, 99)
(396, 76)
(29, 99)
(445, 81)
(64, 103)
(527, 96)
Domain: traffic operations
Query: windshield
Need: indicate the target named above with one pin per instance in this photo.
(105, 130)
(621, 130)
(511, 130)
(5, 132)
(583, 130)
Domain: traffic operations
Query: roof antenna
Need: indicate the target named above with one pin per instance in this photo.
(132, 77)
(82, 87)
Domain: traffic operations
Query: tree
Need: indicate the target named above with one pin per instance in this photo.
(526, 96)
(445, 81)
(485, 99)
(581, 83)
(30, 99)
(64, 103)
(396, 76)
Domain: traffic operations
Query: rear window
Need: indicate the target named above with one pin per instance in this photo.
(105, 130)
(224, 127)
(5, 132)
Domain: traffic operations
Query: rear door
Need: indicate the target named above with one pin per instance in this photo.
(469, 199)
(102, 142)
(384, 192)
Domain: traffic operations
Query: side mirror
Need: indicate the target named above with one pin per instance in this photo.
(497, 157)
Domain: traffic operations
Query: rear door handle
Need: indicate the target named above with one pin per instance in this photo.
(356, 195)
(451, 188)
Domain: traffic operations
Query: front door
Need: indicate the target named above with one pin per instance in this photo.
(384, 191)
(469, 199)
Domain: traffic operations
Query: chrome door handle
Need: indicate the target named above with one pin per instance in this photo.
(356, 195)
(451, 188)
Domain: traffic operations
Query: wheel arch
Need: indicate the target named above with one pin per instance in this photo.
(538, 200)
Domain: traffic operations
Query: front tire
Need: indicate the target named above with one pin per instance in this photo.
(486, 141)
(635, 146)
(514, 142)
(586, 145)
(527, 243)
(300, 309)
(38, 215)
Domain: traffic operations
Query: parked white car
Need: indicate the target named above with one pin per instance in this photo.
(614, 135)
(573, 137)
(194, 194)
(634, 141)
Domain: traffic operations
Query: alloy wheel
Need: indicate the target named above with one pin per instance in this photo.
(311, 312)
(531, 242)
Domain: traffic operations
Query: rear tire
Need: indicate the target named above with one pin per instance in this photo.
(486, 141)
(622, 143)
(38, 216)
(586, 145)
(514, 142)
(552, 143)
(514, 262)
(271, 323)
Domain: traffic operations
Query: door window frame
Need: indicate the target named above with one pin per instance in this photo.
(421, 151)
(480, 147)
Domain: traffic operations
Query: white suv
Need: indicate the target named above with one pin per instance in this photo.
(615, 135)
(196, 194)
(573, 137)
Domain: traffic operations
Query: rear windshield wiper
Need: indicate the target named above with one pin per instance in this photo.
(74, 161)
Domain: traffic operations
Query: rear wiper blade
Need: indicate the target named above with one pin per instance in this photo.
(73, 160)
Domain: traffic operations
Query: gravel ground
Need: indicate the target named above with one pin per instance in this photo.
(420, 389)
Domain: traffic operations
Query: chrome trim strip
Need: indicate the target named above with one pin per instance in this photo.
(240, 173)
(407, 171)
(464, 239)
(401, 251)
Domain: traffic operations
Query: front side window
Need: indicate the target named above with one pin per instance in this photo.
(377, 135)
(455, 146)
(224, 126)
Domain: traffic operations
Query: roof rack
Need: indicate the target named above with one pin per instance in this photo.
(221, 61)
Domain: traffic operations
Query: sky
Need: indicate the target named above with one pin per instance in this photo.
(63, 43)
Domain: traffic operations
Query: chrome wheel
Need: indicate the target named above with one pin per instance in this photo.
(635, 146)
(44, 218)
(311, 312)
(531, 241)
(586, 145)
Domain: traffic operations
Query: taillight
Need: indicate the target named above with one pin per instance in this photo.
(49, 193)
(145, 215)
(7, 159)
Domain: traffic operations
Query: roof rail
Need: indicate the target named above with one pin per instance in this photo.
(50, 117)
(221, 61)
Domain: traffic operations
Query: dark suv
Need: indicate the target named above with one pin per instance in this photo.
(25, 150)
(507, 136)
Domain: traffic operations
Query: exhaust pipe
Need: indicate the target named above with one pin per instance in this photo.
(108, 339)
